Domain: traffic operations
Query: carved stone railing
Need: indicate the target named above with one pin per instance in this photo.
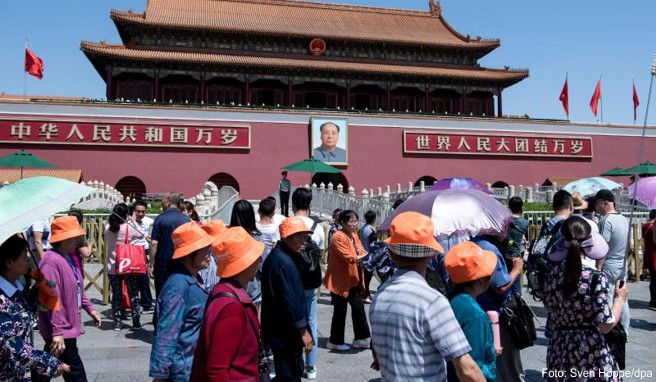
(103, 196)
(212, 203)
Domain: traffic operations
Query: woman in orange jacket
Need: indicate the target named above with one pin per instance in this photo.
(343, 280)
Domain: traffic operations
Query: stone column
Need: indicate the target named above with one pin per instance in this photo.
(529, 194)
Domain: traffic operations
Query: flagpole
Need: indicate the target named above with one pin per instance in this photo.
(24, 74)
(634, 110)
(601, 111)
(637, 174)
(567, 82)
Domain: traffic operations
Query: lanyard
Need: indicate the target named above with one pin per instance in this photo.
(77, 278)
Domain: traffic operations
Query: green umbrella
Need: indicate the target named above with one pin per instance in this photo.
(24, 159)
(646, 168)
(312, 165)
(617, 171)
(33, 199)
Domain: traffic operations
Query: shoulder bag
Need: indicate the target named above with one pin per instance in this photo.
(130, 258)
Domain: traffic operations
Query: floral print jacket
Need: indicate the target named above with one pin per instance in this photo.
(17, 355)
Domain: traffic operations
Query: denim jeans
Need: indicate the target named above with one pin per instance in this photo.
(310, 304)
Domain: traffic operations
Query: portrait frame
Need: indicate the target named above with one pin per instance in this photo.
(339, 155)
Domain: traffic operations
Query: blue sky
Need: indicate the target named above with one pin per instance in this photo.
(585, 38)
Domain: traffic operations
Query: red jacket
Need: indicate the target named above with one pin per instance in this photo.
(227, 345)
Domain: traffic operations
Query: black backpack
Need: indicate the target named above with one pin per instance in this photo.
(537, 264)
(518, 319)
(309, 263)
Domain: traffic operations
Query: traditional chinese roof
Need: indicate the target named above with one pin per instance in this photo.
(11, 175)
(501, 77)
(20, 98)
(302, 19)
(560, 181)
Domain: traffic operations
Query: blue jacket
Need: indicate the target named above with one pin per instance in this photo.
(180, 309)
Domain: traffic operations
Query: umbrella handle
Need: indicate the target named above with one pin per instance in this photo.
(30, 252)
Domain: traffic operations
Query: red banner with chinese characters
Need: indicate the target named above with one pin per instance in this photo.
(117, 133)
(448, 143)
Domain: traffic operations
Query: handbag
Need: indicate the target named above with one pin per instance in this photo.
(125, 297)
(130, 258)
(518, 320)
(616, 338)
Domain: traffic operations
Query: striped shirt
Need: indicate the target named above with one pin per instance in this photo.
(208, 275)
(414, 330)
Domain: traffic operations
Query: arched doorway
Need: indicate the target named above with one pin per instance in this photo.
(500, 184)
(222, 179)
(428, 181)
(335, 179)
(131, 186)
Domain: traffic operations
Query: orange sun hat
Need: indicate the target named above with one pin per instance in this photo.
(293, 225)
(214, 228)
(235, 250)
(411, 235)
(468, 262)
(65, 227)
(189, 238)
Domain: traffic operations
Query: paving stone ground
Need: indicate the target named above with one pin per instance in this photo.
(111, 356)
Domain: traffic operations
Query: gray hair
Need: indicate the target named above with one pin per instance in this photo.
(175, 198)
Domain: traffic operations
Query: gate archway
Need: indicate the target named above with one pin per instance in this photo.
(131, 186)
(224, 179)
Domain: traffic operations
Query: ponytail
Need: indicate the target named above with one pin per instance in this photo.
(573, 268)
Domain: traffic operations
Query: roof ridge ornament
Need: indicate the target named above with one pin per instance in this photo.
(435, 7)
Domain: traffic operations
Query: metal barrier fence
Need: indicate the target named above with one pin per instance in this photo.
(325, 201)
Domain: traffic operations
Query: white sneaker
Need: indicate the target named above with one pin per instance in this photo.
(342, 347)
(360, 344)
(311, 372)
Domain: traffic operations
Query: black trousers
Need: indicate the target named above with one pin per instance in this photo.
(289, 364)
(652, 285)
(160, 278)
(144, 292)
(338, 324)
(71, 357)
(161, 275)
(284, 203)
(367, 282)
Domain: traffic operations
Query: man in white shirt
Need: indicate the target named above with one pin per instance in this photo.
(145, 225)
(267, 225)
(38, 235)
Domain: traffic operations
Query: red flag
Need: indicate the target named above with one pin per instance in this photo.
(564, 97)
(636, 103)
(33, 64)
(596, 96)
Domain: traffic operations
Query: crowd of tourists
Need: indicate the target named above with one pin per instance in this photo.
(238, 301)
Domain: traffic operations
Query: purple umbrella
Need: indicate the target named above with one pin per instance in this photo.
(457, 213)
(459, 184)
(646, 191)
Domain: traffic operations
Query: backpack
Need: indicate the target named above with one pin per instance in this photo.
(518, 319)
(537, 264)
(309, 264)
